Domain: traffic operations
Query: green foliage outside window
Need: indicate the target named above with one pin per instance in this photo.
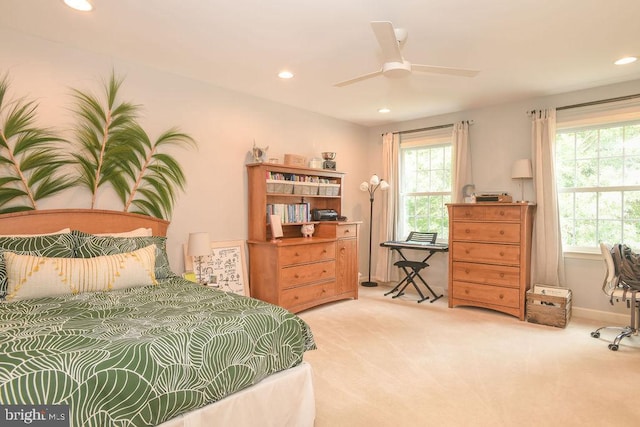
(425, 189)
(598, 178)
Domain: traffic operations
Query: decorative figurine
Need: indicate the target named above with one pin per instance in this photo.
(259, 153)
(307, 230)
(329, 162)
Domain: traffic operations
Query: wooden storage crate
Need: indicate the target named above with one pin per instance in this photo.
(549, 305)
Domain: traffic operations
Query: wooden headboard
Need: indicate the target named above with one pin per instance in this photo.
(87, 220)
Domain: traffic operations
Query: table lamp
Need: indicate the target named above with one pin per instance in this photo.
(521, 170)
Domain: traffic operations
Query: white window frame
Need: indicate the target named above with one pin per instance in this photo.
(426, 139)
(596, 117)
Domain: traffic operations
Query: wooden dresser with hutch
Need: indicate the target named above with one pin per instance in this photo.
(297, 272)
(490, 255)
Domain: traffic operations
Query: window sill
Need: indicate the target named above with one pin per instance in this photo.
(590, 254)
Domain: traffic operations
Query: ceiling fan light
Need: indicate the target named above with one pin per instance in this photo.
(384, 110)
(626, 60)
(81, 5)
(285, 74)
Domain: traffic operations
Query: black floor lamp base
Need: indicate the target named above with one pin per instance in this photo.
(369, 284)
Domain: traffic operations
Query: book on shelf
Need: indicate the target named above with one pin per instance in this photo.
(289, 213)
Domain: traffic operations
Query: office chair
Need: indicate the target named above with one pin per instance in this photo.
(412, 268)
(618, 291)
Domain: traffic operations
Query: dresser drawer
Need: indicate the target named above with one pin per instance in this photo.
(486, 213)
(488, 231)
(307, 273)
(497, 295)
(298, 254)
(306, 294)
(486, 253)
(346, 231)
(485, 273)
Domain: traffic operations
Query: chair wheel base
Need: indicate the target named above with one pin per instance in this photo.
(595, 334)
(613, 347)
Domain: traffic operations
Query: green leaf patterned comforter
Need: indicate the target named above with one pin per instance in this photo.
(141, 356)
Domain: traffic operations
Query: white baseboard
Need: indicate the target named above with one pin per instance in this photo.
(602, 316)
(605, 317)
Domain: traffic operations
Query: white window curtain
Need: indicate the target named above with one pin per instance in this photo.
(547, 260)
(461, 173)
(388, 214)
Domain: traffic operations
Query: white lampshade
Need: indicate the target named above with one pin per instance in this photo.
(364, 186)
(384, 185)
(374, 180)
(521, 169)
(199, 244)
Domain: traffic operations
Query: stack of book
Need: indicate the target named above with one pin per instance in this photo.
(289, 213)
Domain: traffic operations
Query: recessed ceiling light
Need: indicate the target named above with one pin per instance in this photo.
(285, 74)
(82, 5)
(626, 60)
(384, 110)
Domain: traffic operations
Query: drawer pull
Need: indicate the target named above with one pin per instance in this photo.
(501, 296)
(297, 276)
(296, 254)
(501, 213)
(346, 231)
(466, 291)
(502, 232)
(467, 251)
(466, 270)
(501, 275)
(501, 253)
(467, 231)
(324, 271)
(324, 251)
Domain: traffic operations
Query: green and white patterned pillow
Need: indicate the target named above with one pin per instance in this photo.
(53, 245)
(90, 245)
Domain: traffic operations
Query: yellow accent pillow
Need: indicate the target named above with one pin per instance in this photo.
(33, 276)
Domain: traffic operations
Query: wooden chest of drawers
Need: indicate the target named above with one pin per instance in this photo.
(490, 255)
(300, 273)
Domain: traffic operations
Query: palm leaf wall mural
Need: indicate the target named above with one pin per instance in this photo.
(100, 134)
(156, 176)
(114, 149)
(108, 148)
(31, 163)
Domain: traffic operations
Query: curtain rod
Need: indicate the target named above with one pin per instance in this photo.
(587, 104)
(449, 125)
(602, 101)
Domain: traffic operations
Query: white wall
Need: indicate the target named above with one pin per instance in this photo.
(224, 123)
(500, 135)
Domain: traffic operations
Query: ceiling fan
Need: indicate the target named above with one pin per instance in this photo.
(395, 66)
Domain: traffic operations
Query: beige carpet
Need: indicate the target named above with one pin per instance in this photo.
(394, 362)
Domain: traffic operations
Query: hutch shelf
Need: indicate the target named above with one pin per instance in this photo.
(299, 272)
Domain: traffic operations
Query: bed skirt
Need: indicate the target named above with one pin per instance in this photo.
(285, 399)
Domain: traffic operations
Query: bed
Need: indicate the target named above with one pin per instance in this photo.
(153, 349)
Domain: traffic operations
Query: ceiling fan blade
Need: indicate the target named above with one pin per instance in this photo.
(360, 78)
(387, 40)
(444, 70)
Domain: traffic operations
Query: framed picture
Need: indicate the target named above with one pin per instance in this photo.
(225, 268)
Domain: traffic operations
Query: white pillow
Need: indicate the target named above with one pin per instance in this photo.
(31, 276)
(63, 231)
(138, 232)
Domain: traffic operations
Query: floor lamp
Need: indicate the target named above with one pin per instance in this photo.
(371, 186)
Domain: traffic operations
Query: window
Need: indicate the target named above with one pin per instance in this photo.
(598, 180)
(425, 183)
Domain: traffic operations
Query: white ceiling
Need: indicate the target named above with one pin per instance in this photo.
(523, 48)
